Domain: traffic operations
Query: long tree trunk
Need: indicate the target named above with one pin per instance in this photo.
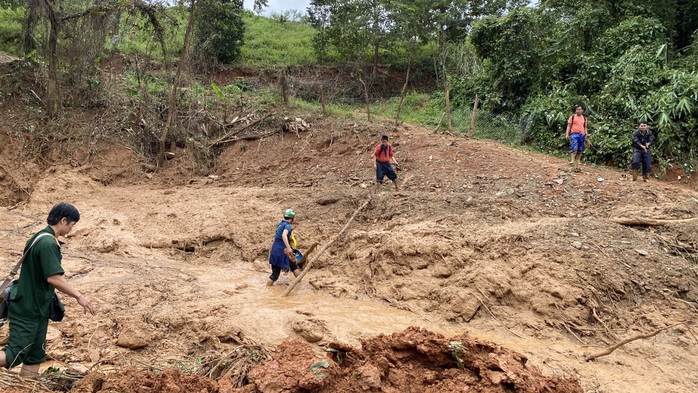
(52, 100)
(172, 107)
(407, 81)
(28, 40)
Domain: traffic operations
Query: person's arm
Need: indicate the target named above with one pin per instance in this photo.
(650, 139)
(374, 157)
(284, 236)
(636, 140)
(569, 127)
(586, 129)
(60, 283)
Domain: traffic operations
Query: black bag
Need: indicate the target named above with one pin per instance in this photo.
(56, 311)
(5, 303)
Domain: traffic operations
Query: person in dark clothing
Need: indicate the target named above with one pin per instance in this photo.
(281, 255)
(41, 274)
(383, 154)
(642, 140)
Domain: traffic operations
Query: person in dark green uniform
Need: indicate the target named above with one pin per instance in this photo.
(29, 299)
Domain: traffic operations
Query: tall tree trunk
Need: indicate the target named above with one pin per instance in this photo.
(407, 81)
(368, 105)
(172, 107)
(52, 100)
(28, 41)
(473, 117)
(448, 109)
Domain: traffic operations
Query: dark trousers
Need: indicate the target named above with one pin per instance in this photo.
(641, 157)
(384, 169)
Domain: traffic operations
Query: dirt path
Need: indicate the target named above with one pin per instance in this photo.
(177, 268)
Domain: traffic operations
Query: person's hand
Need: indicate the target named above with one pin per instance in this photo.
(86, 304)
(567, 136)
(289, 252)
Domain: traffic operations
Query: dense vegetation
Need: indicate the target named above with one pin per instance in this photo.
(529, 65)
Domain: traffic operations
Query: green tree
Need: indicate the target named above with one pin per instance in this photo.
(219, 31)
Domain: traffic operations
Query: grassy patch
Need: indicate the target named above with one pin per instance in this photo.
(11, 30)
(270, 43)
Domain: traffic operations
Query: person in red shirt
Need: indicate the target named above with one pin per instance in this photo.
(576, 133)
(383, 154)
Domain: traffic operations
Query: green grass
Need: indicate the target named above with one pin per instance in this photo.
(271, 44)
(11, 30)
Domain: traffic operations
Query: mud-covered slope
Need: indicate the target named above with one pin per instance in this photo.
(512, 246)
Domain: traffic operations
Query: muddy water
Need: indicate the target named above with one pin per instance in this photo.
(262, 308)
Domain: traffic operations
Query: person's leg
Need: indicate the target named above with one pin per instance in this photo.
(29, 370)
(33, 353)
(22, 346)
(380, 174)
(573, 147)
(390, 173)
(275, 272)
(646, 165)
(637, 155)
(294, 269)
(580, 147)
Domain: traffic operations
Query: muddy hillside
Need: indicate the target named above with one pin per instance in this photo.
(490, 270)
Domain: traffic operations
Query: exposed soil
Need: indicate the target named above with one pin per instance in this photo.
(507, 260)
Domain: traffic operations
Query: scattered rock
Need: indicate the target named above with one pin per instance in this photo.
(644, 253)
(132, 337)
(328, 200)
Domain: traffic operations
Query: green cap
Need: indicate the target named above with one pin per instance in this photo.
(289, 213)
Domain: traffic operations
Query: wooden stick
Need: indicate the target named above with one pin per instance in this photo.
(325, 247)
(471, 132)
(631, 339)
(650, 221)
(608, 331)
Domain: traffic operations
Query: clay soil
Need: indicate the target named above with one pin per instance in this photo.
(491, 270)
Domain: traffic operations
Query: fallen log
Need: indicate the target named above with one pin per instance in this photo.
(650, 221)
(324, 248)
(628, 340)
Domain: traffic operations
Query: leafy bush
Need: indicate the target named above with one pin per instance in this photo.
(219, 31)
(11, 30)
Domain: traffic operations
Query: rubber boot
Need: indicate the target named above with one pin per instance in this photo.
(270, 282)
(634, 174)
(645, 177)
(397, 186)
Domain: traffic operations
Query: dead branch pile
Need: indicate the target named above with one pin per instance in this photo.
(50, 381)
(235, 364)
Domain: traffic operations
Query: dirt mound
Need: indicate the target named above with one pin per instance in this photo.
(412, 360)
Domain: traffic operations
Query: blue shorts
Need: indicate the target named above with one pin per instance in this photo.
(577, 143)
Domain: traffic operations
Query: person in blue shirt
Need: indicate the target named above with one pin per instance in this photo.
(281, 256)
(642, 140)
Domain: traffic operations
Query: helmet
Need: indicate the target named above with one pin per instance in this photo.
(289, 213)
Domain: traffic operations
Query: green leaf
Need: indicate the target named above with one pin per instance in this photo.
(217, 90)
(132, 92)
(317, 365)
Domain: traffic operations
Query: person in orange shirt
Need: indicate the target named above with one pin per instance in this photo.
(576, 133)
(383, 154)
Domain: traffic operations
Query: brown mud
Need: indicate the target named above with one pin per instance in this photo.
(483, 244)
